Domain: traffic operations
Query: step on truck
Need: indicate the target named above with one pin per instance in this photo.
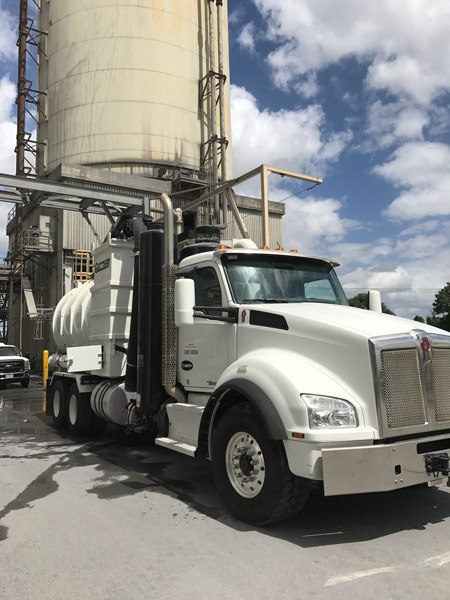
(253, 359)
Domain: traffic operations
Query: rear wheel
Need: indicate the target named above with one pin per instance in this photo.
(80, 415)
(59, 405)
(251, 471)
(25, 383)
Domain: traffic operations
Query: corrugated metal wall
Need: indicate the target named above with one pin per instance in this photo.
(253, 222)
(77, 235)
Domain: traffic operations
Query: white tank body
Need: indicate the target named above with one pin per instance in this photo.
(122, 80)
(71, 319)
(98, 313)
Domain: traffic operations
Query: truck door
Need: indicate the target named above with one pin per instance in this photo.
(206, 348)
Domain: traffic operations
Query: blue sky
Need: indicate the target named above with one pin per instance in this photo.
(354, 92)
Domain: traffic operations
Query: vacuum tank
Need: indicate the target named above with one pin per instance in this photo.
(98, 313)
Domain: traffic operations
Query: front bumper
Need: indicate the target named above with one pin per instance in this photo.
(370, 468)
(14, 377)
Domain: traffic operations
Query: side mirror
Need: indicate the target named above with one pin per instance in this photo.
(184, 302)
(375, 301)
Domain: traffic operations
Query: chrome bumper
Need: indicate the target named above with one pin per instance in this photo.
(380, 468)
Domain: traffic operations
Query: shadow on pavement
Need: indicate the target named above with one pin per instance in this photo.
(126, 465)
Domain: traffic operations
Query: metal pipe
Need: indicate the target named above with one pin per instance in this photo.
(223, 141)
(168, 311)
(179, 220)
(212, 89)
(168, 229)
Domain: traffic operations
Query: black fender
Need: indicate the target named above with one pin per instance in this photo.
(233, 392)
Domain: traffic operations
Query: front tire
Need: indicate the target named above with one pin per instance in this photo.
(251, 471)
(25, 383)
(79, 416)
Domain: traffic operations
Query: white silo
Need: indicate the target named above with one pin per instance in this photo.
(122, 80)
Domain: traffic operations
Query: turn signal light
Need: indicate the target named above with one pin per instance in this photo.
(299, 436)
(221, 247)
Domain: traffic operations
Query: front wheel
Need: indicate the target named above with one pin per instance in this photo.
(251, 471)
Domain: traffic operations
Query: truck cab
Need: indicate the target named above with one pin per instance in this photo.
(359, 401)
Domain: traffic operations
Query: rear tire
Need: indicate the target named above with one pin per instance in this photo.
(79, 414)
(59, 405)
(251, 471)
(25, 384)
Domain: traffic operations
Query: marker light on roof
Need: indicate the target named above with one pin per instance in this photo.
(264, 247)
(294, 250)
(280, 248)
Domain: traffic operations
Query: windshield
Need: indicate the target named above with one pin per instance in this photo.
(9, 351)
(270, 278)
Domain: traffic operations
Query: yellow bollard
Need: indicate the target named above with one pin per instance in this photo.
(44, 378)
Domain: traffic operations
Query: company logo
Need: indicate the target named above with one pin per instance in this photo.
(101, 266)
(426, 349)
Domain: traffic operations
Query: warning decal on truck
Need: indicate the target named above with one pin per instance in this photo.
(191, 350)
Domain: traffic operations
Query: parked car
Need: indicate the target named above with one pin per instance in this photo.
(14, 368)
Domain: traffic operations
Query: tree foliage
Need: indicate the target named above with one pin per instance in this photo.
(440, 315)
(362, 301)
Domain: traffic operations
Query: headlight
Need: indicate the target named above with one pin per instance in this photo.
(324, 411)
(26, 364)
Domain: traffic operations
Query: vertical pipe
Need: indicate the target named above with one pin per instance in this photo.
(149, 367)
(212, 87)
(44, 369)
(223, 141)
(265, 206)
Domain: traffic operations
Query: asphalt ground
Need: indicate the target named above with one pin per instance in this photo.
(115, 518)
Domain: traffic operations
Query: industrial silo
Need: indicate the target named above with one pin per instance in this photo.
(124, 82)
(126, 88)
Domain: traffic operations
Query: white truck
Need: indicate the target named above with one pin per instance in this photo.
(253, 359)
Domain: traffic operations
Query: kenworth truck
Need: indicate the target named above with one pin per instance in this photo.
(253, 359)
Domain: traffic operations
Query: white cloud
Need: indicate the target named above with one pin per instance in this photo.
(246, 38)
(8, 35)
(422, 169)
(7, 125)
(407, 49)
(7, 144)
(293, 139)
(408, 272)
(311, 224)
(395, 122)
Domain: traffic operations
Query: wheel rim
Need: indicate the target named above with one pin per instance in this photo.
(57, 403)
(245, 464)
(73, 409)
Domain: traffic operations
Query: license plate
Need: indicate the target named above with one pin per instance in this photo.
(9, 375)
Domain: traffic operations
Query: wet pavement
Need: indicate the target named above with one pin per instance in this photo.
(115, 517)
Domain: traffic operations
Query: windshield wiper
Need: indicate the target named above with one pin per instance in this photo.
(264, 300)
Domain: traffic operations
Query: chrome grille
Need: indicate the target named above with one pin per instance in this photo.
(11, 366)
(441, 383)
(402, 388)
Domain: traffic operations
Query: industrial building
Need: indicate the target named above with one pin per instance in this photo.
(129, 99)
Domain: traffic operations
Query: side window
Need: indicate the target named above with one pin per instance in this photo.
(207, 287)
